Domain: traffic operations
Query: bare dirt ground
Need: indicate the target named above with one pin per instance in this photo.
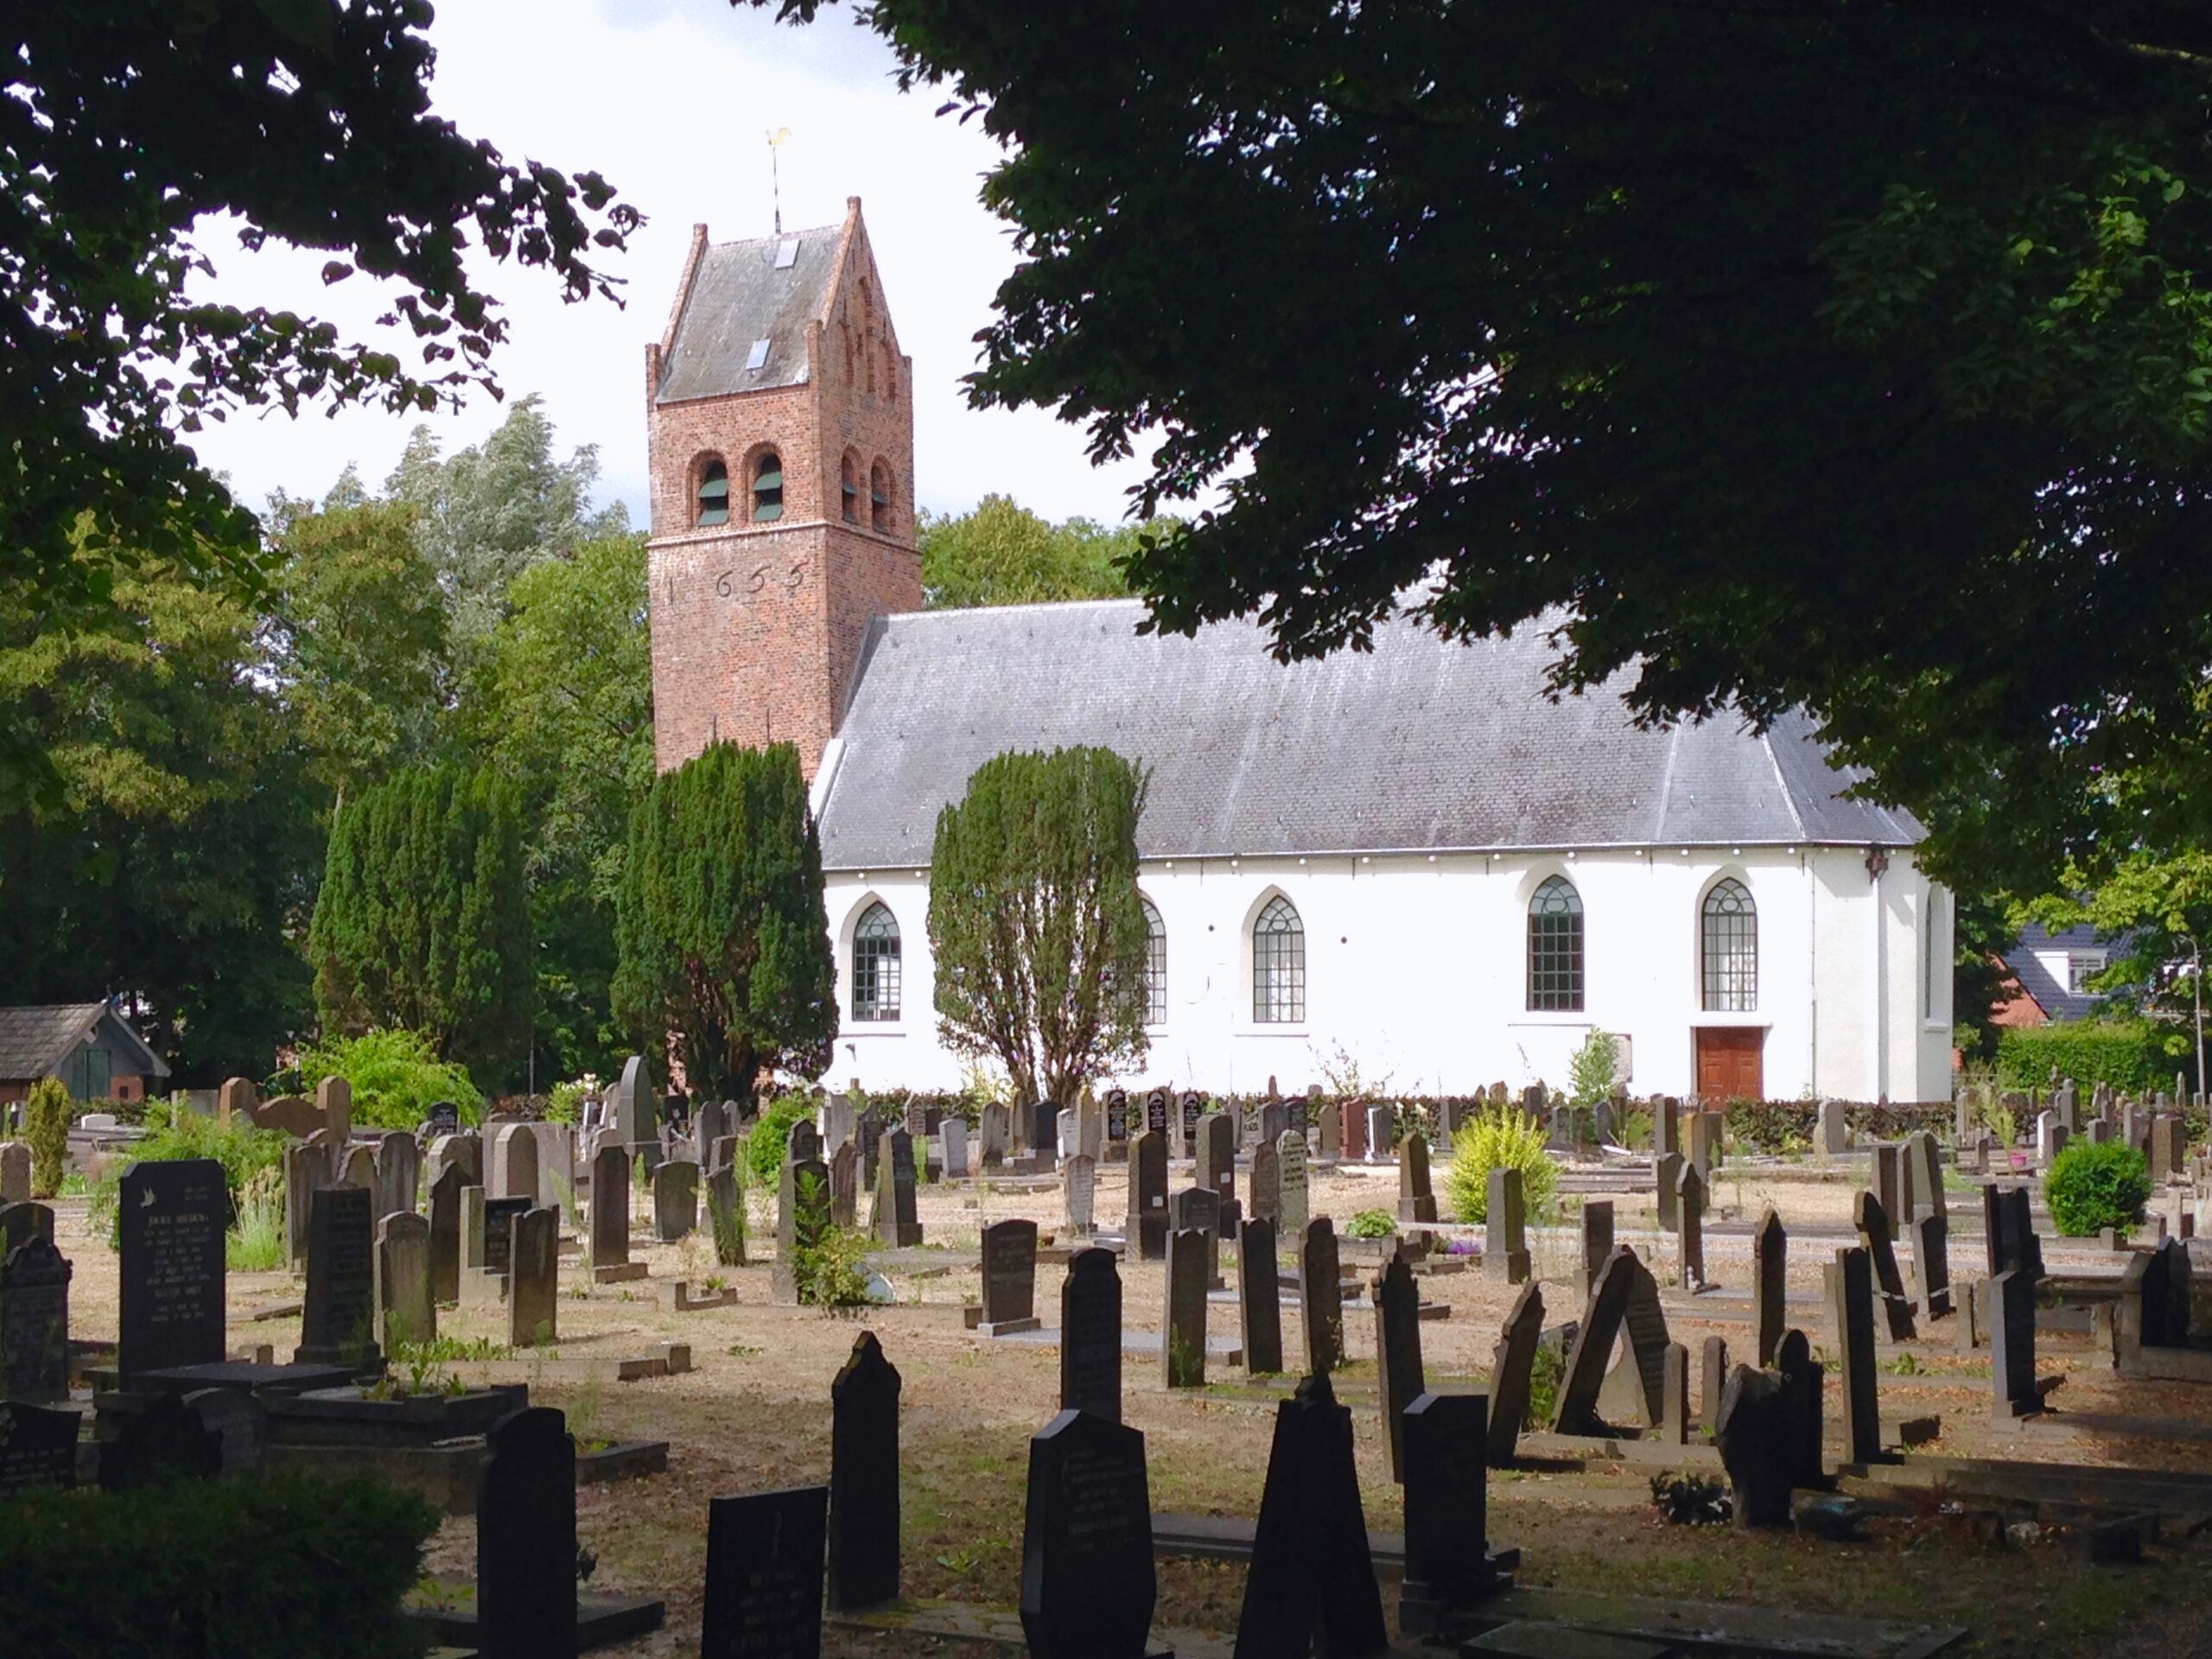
(753, 1416)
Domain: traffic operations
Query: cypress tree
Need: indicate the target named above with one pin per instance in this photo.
(423, 917)
(1035, 924)
(723, 941)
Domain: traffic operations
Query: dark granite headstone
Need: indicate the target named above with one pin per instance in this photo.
(895, 1221)
(610, 1206)
(1757, 1435)
(1009, 1252)
(1311, 1583)
(1117, 1114)
(34, 1322)
(1690, 1226)
(1447, 1508)
(165, 1438)
(802, 1211)
(499, 1218)
(1147, 1222)
(526, 1538)
(763, 1575)
(1290, 1189)
(38, 1447)
(1849, 1280)
(1183, 1329)
(1576, 1410)
(1596, 1241)
(1804, 1380)
(1511, 1369)
(1155, 1111)
(1416, 1199)
(1088, 1582)
(1191, 1107)
(1876, 1229)
(170, 1217)
(1217, 1172)
(338, 1318)
(1931, 1264)
(1090, 1335)
(1397, 1350)
(675, 1200)
(1320, 1298)
(2013, 1345)
(1769, 1279)
(1259, 1298)
(864, 1479)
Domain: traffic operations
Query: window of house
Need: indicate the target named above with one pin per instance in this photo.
(714, 494)
(1278, 965)
(879, 499)
(2081, 969)
(875, 965)
(1555, 947)
(767, 488)
(1155, 965)
(1730, 945)
(849, 489)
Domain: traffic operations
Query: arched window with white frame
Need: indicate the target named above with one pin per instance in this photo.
(1156, 964)
(1555, 947)
(1278, 964)
(876, 964)
(1728, 942)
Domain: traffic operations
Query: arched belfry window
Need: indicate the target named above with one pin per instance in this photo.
(767, 487)
(1155, 965)
(879, 499)
(713, 493)
(1278, 965)
(1555, 947)
(848, 488)
(876, 964)
(1729, 941)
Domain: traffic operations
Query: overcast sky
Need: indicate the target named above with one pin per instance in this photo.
(672, 100)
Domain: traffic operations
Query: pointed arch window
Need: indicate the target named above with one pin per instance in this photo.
(1155, 965)
(1278, 965)
(714, 494)
(767, 488)
(879, 499)
(1555, 947)
(876, 964)
(848, 488)
(1729, 942)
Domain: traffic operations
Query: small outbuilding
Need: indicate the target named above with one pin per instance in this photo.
(87, 1044)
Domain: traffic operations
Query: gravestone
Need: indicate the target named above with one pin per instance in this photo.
(864, 1479)
(1874, 1235)
(952, 1148)
(2012, 1346)
(1673, 1426)
(894, 1221)
(610, 1206)
(1190, 1254)
(1264, 1183)
(499, 1218)
(1924, 1177)
(306, 1170)
(1690, 1227)
(2050, 1140)
(1505, 1241)
(726, 1215)
(445, 1233)
(1080, 1179)
(1667, 1173)
(802, 1210)
(338, 1320)
(35, 1321)
(1117, 1119)
(514, 1162)
(1259, 1296)
(1148, 1220)
(1597, 1242)
(1274, 1122)
(1009, 1251)
(20, 1222)
(1931, 1264)
(763, 1575)
(675, 1200)
(1189, 1109)
(838, 1121)
(1064, 1134)
(1089, 1128)
(1757, 1438)
(1576, 1409)
(1888, 1186)
(534, 1278)
(1713, 1377)
(1666, 1129)
(475, 1233)
(1382, 1130)
(1770, 1284)
(38, 1447)
(2009, 1231)
(166, 1439)
(1352, 1116)
(1803, 1382)
(1311, 1583)
(994, 1129)
(466, 1150)
(1448, 1564)
(1156, 1112)
(633, 1114)
(1044, 1118)
(1849, 1280)
(399, 1171)
(709, 1124)
(1704, 1150)
(443, 1117)
(1291, 1184)
(1329, 1134)
(1087, 1581)
(804, 1143)
(1217, 1158)
(405, 1313)
(1511, 1366)
(357, 1167)
(1831, 1134)
(526, 1538)
(1090, 1335)
(1320, 1297)
(1200, 1208)
(1397, 1353)
(1416, 1199)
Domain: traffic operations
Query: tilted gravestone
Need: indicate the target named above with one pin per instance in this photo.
(526, 1538)
(1849, 1280)
(445, 1233)
(1416, 1199)
(1924, 1177)
(1756, 1436)
(1148, 1218)
(864, 1479)
(35, 1321)
(1623, 1278)
(1505, 1242)
(1875, 1233)
(1511, 1370)
(675, 1200)
(1320, 1297)
(38, 1447)
(1183, 1328)
(1597, 1242)
(338, 1317)
(1888, 1186)
(1449, 1563)
(534, 1278)
(1259, 1298)
(1087, 1581)
(763, 1575)
(1769, 1281)
(895, 1221)
(405, 1311)
(1311, 1576)
(1931, 1264)
(1090, 1335)
(1009, 1251)
(1397, 1354)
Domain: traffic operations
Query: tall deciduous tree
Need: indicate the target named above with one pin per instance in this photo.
(724, 939)
(423, 919)
(1036, 928)
(1000, 553)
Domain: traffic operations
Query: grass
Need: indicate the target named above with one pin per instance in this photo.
(258, 1243)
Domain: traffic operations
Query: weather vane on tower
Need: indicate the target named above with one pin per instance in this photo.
(775, 183)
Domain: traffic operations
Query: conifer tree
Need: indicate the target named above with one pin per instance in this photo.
(1036, 928)
(423, 919)
(723, 942)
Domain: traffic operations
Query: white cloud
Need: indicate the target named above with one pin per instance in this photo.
(672, 99)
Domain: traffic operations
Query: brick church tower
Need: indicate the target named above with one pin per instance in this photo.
(780, 414)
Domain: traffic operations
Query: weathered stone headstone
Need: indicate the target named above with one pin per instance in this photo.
(675, 1200)
(170, 1219)
(763, 1575)
(1667, 1173)
(1831, 1134)
(526, 1538)
(1755, 1433)
(534, 1278)
(1931, 1264)
(1887, 1184)
(1259, 1296)
(1924, 1177)
(399, 1171)
(35, 1321)
(1200, 1207)
(1064, 1134)
(1850, 1280)
(1704, 1149)
(1713, 1377)
(1770, 1282)
(1597, 1242)
(1087, 1581)
(1690, 1222)
(1674, 1425)
(1090, 1335)
(1416, 1199)
(1183, 1328)
(1505, 1238)
(1329, 1126)
(844, 1170)
(802, 1210)
(1511, 1370)
(1874, 1235)
(1264, 1183)
(952, 1148)
(445, 1233)
(405, 1313)
(1148, 1218)
(804, 1143)
(1291, 1184)
(2050, 1140)
(1320, 1297)
(306, 1170)
(2012, 1346)
(894, 1221)
(1351, 1114)
(1009, 1250)
(610, 1207)
(1667, 1128)
(357, 1167)
(1312, 1584)
(864, 1479)
(709, 1124)
(464, 1150)
(633, 1112)
(1397, 1353)
(1079, 1179)
(1217, 1169)
(514, 1162)
(994, 1129)
(1576, 1409)
(38, 1447)
(15, 1172)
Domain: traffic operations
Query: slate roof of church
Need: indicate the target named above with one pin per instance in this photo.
(739, 296)
(1419, 745)
(34, 1040)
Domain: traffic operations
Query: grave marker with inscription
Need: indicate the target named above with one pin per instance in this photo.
(1090, 1335)
(1087, 1581)
(763, 1575)
(526, 1538)
(170, 1217)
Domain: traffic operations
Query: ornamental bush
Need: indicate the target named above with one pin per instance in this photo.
(397, 1077)
(770, 1137)
(2092, 1186)
(46, 1126)
(1502, 1136)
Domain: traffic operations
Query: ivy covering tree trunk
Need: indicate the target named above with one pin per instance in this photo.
(723, 942)
(423, 920)
(1035, 924)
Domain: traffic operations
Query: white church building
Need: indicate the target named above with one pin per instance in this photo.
(1407, 861)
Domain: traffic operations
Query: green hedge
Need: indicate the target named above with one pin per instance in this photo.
(2129, 1054)
(192, 1570)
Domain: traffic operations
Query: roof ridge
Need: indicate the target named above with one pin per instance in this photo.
(779, 236)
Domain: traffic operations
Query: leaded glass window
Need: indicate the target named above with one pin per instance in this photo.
(1278, 965)
(1555, 947)
(1155, 965)
(875, 965)
(1731, 949)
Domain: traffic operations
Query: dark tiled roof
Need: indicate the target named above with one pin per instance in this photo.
(1418, 745)
(738, 295)
(2048, 989)
(34, 1040)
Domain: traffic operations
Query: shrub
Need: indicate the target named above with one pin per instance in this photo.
(1371, 1224)
(771, 1136)
(564, 1102)
(831, 1271)
(1770, 1126)
(1501, 1136)
(2126, 1053)
(1590, 1071)
(175, 1132)
(397, 1077)
(2093, 1186)
(46, 1126)
(262, 1569)
(258, 1243)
